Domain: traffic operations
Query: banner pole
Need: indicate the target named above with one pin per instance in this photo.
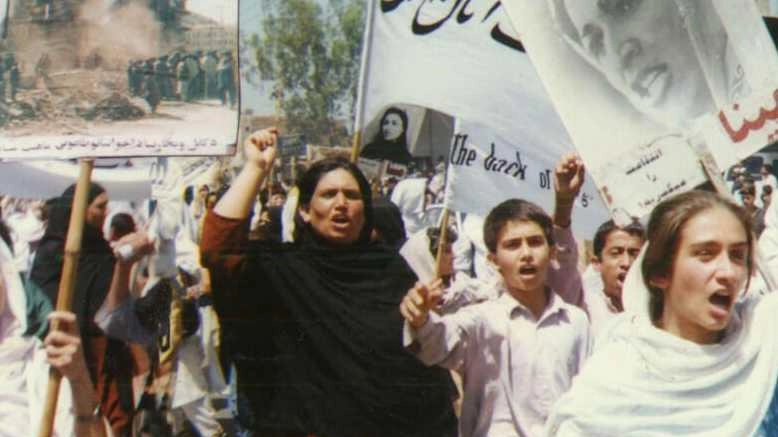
(67, 283)
(361, 85)
(442, 241)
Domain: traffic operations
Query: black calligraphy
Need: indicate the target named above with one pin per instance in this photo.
(500, 165)
(545, 179)
(460, 154)
(432, 15)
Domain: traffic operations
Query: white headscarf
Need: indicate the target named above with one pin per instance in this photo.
(645, 381)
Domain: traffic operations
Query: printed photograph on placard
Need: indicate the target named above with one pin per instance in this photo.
(408, 136)
(671, 60)
(113, 78)
(624, 74)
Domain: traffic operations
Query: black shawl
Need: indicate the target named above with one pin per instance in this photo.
(95, 264)
(316, 335)
(395, 151)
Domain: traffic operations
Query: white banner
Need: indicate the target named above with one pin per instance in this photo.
(486, 169)
(44, 179)
(627, 75)
(464, 59)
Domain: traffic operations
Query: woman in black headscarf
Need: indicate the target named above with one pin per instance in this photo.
(390, 143)
(312, 326)
(108, 360)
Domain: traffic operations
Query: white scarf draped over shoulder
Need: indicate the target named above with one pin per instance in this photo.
(23, 367)
(643, 381)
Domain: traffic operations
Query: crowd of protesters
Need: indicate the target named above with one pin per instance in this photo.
(340, 307)
(184, 76)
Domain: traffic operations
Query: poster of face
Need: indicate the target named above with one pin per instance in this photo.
(624, 74)
(402, 134)
(117, 78)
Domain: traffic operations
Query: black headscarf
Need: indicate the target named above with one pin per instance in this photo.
(93, 279)
(95, 265)
(316, 335)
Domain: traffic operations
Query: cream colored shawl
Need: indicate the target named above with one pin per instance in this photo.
(643, 381)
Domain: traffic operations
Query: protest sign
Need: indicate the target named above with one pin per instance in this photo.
(627, 76)
(95, 78)
(291, 145)
(463, 59)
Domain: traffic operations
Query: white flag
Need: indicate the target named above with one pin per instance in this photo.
(464, 59)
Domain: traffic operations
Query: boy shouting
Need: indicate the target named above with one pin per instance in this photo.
(518, 353)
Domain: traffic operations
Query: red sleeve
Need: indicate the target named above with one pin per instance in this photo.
(222, 243)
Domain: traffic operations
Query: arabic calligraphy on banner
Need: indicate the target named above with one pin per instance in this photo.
(742, 128)
(75, 147)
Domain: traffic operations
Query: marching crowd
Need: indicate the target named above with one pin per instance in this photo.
(332, 308)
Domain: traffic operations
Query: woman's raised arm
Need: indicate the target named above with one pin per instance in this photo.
(260, 152)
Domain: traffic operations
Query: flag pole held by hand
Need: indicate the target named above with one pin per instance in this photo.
(67, 283)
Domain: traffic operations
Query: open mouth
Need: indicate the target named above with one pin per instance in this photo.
(528, 270)
(341, 220)
(721, 300)
(651, 83)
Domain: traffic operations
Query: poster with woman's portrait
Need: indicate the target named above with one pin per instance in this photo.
(624, 73)
(406, 134)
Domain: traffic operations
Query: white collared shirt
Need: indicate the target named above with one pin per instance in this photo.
(514, 367)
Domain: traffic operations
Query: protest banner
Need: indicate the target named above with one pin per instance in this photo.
(644, 80)
(466, 61)
(44, 179)
(486, 168)
(73, 86)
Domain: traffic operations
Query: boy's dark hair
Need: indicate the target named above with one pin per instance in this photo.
(601, 236)
(769, 168)
(433, 234)
(515, 210)
(122, 224)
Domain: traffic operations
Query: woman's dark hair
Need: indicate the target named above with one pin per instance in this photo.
(663, 234)
(379, 137)
(307, 186)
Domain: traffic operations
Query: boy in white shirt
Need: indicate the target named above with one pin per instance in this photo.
(517, 353)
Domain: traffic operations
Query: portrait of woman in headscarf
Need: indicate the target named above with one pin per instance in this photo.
(671, 59)
(390, 142)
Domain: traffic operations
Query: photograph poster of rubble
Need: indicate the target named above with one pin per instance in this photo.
(117, 78)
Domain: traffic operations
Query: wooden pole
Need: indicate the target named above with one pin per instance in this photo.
(355, 146)
(67, 283)
(442, 241)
